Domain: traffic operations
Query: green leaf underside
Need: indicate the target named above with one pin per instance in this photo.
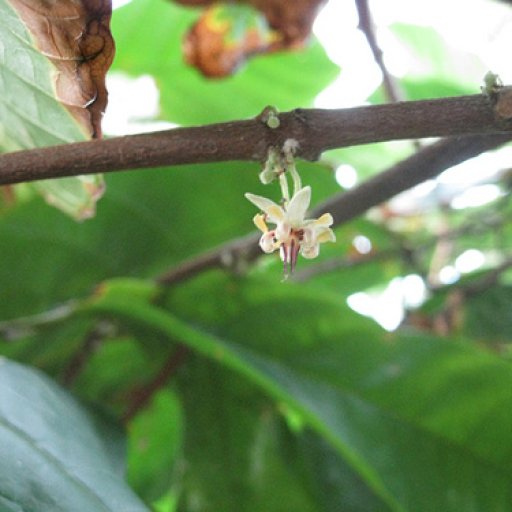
(55, 456)
(411, 416)
(188, 98)
(31, 116)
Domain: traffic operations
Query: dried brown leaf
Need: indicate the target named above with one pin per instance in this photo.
(207, 45)
(75, 36)
(293, 20)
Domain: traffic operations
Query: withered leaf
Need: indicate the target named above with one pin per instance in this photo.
(75, 36)
(220, 41)
(293, 20)
(211, 47)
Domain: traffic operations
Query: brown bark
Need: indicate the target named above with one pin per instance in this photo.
(315, 130)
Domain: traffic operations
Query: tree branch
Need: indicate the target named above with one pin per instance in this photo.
(425, 164)
(316, 131)
(419, 167)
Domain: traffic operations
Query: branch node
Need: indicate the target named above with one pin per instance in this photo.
(270, 117)
(492, 85)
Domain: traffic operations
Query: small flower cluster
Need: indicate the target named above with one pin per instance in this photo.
(293, 234)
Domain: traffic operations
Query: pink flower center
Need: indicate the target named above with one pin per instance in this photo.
(290, 250)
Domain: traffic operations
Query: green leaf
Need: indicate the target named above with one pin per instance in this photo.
(47, 347)
(370, 159)
(286, 80)
(53, 458)
(104, 381)
(425, 424)
(233, 457)
(75, 195)
(337, 488)
(433, 58)
(155, 439)
(148, 222)
(424, 88)
(487, 315)
(31, 116)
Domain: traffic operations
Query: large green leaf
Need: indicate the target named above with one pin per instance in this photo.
(286, 80)
(149, 221)
(105, 381)
(56, 456)
(436, 69)
(424, 423)
(487, 315)
(233, 457)
(155, 441)
(433, 57)
(31, 115)
(336, 487)
(47, 347)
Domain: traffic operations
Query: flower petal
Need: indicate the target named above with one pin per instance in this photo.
(259, 222)
(297, 207)
(325, 220)
(274, 211)
(311, 251)
(267, 242)
(275, 214)
(325, 235)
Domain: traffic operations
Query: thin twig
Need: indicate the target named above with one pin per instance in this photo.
(143, 396)
(315, 130)
(91, 344)
(366, 26)
(419, 167)
(18, 328)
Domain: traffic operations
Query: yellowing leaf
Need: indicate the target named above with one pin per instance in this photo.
(52, 88)
(227, 34)
(76, 38)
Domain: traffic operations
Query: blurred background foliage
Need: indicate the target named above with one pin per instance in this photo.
(377, 378)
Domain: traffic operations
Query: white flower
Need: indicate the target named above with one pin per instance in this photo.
(293, 234)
